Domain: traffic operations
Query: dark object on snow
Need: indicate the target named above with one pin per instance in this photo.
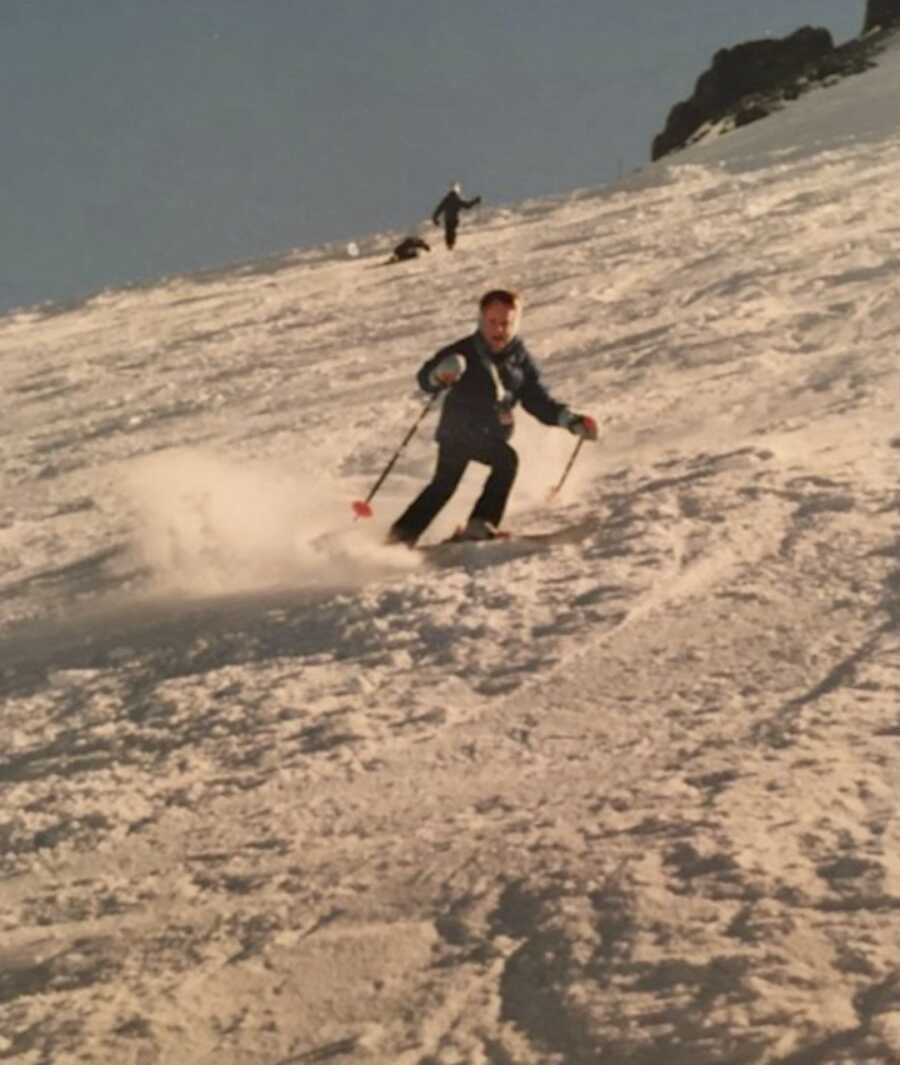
(450, 207)
(750, 80)
(409, 248)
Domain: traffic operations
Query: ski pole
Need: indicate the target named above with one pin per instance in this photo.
(361, 507)
(557, 488)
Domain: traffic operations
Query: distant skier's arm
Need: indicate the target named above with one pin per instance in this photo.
(439, 210)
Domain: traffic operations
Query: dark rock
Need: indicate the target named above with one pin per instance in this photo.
(753, 79)
(881, 14)
(750, 112)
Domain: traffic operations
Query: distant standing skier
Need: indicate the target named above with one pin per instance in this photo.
(449, 207)
(486, 375)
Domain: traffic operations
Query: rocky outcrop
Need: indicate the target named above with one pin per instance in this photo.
(881, 14)
(751, 80)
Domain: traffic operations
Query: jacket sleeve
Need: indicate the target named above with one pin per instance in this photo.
(471, 203)
(535, 397)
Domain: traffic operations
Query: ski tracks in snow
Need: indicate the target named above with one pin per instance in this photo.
(622, 798)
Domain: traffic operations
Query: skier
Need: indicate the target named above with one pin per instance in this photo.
(486, 375)
(449, 207)
(409, 248)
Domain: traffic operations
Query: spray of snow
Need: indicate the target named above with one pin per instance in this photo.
(208, 525)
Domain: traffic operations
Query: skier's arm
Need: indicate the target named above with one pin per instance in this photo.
(538, 401)
(471, 203)
(439, 210)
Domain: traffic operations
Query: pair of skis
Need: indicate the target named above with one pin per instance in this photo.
(362, 508)
(566, 534)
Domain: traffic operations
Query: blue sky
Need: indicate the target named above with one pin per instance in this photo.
(146, 137)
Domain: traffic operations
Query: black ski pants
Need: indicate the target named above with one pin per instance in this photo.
(452, 461)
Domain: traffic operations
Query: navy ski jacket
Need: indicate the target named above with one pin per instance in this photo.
(450, 206)
(479, 407)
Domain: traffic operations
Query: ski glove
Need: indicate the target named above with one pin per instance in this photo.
(448, 371)
(582, 425)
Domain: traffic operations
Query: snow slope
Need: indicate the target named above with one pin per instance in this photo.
(272, 792)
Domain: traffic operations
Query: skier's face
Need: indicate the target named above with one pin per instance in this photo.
(498, 325)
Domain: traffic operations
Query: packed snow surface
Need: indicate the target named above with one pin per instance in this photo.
(274, 793)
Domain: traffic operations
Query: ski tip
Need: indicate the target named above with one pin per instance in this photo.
(362, 509)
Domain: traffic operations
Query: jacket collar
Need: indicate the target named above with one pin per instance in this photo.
(487, 354)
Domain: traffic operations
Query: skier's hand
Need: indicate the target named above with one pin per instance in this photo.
(448, 371)
(582, 425)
